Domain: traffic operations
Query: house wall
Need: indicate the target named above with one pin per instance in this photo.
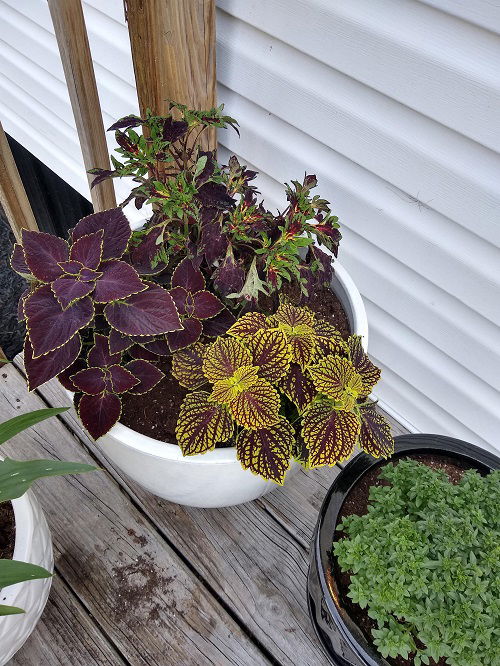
(394, 104)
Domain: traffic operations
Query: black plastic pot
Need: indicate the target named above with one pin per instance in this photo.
(342, 641)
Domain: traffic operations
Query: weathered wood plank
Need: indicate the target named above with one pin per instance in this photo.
(73, 42)
(13, 196)
(173, 49)
(147, 601)
(249, 559)
(66, 635)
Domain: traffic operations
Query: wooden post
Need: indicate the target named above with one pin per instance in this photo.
(13, 196)
(173, 49)
(72, 39)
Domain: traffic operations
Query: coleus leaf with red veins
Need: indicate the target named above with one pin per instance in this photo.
(118, 281)
(99, 413)
(49, 326)
(42, 253)
(147, 374)
(150, 312)
(43, 368)
(116, 230)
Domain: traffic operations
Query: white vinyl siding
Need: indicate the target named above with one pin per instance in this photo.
(395, 105)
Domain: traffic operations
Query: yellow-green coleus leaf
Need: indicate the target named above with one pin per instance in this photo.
(369, 372)
(226, 390)
(257, 406)
(202, 424)
(271, 353)
(298, 326)
(267, 451)
(223, 357)
(375, 436)
(187, 366)
(335, 377)
(328, 341)
(248, 324)
(329, 434)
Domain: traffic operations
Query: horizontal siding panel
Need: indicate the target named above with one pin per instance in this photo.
(485, 13)
(402, 48)
(454, 175)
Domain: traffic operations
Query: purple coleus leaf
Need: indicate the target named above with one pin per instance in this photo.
(121, 379)
(42, 253)
(158, 347)
(127, 122)
(100, 176)
(88, 275)
(116, 230)
(229, 277)
(189, 334)
(219, 324)
(71, 267)
(214, 243)
(205, 305)
(64, 376)
(174, 129)
(179, 296)
(100, 355)
(20, 304)
(88, 249)
(208, 170)
(90, 380)
(146, 373)
(119, 342)
(99, 413)
(39, 370)
(118, 281)
(18, 260)
(151, 312)
(215, 195)
(141, 256)
(139, 352)
(68, 289)
(187, 276)
(49, 326)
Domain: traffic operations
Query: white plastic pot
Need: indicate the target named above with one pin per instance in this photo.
(33, 544)
(216, 478)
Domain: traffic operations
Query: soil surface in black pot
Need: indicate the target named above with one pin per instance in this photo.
(356, 503)
(7, 531)
(155, 413)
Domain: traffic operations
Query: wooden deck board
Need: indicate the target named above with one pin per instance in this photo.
(148, 603)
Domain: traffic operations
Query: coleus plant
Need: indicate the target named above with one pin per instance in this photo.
(282, 386)
(211, 213)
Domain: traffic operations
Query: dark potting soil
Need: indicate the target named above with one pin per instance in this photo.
(12, 286)
(356, 503)
(155, 413)
(7, 531)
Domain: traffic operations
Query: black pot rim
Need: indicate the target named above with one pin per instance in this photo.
(481, 459)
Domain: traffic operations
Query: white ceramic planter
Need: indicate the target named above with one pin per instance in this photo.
(34, 545)
(214, 479)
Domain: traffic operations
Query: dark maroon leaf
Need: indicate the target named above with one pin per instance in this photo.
(174, 129)
(215, 195)
(127, 122)
(147, 374)
(40, 370)
(375, 436)
(100, 355)
(20, 304)
(213, 242)
(68, 289)
(118, 281)
(99, 413)
(119, 342)
(100, 176)
(208, 169)
(88, 275)
(159, 347)
(190, 334)
(219, 324)
(229, 277)
(90, 380)
(125, 142)
(88, 249)
(49, 326)
(42, 253)
(206, 305)
(121, 379)
(179, 296)
(208, 214)
(71, 267)
(151, 312)
(142, 256)
(187, 276)
(139, 352)
(64, 376)
(116, 231)
(18, 261)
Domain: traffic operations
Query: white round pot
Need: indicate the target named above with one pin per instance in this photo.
(213, 479)
(33, 544)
